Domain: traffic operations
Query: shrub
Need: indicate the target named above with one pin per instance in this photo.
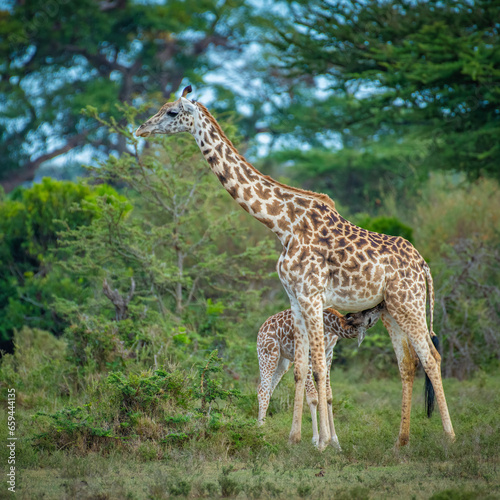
(228, 486)
(160, 407)
(462, 245)
(30, 220)
(385, 225)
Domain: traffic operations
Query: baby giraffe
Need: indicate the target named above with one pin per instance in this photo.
(275, 349)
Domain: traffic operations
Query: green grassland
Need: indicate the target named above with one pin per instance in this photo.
(249, 463)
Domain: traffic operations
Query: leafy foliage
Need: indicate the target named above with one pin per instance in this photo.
(59, 58)
(210, 389)
(164, 407)
(382, 92)
(385, 225)
(30, 220)
(189, 246)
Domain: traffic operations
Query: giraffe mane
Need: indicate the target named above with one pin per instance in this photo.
(310, 194)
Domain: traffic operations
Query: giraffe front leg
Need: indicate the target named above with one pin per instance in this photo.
(312, 401)
(312, 311)
(300, 373)
(301, 346)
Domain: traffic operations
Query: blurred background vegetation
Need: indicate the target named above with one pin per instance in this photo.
(141, 261)
(392, 108)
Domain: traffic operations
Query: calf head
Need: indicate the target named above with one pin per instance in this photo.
(363, 320)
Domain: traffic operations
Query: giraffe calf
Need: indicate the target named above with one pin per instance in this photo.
(276, 351)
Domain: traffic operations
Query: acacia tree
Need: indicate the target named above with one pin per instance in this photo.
(180, 243)
(57, 57)
(383, 91)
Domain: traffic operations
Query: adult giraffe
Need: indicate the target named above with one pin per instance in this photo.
(326, 262)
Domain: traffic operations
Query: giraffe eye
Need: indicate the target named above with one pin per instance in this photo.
(172, 113)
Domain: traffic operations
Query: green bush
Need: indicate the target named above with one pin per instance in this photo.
(168, 409)
(385, 225)
(30, 220)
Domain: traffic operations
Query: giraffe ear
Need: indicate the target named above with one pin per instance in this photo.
(187, 105)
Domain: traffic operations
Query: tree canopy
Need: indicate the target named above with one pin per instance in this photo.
(386, 90)
(58, 57)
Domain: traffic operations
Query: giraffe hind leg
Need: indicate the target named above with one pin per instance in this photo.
(407, 366)
(415, 327)
(282, 368)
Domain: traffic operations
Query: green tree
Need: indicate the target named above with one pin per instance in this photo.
(182, 243)
(58, 57)
(384, 91)
(29, 222)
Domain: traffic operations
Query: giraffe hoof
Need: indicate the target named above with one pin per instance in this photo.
(402, 441)
(320, 446)
(294, 438)
(335, 443)
(315, 441)
(451, 437)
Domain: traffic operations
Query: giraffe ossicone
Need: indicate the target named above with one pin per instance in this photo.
(276, 353)
(326, 262)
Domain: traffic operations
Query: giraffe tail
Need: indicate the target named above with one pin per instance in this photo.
(430, 287)
(429, 395)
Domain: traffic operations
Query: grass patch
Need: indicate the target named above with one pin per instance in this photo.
(171, 433)
(367, 417)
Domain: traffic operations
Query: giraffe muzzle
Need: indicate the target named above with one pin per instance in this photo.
(143, 131)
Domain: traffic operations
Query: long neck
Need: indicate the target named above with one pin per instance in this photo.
(274, 204)
(258, 194)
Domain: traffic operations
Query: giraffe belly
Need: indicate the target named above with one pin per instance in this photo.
(347, 301)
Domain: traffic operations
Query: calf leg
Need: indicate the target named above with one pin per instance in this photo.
(334, 440)
(269, 357)
(312, 401)
(283, 367)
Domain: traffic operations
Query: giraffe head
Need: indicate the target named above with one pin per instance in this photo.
(173, 117)
(364, 320)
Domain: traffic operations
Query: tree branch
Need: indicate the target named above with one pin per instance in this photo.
(120, 302)
(27, 171)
